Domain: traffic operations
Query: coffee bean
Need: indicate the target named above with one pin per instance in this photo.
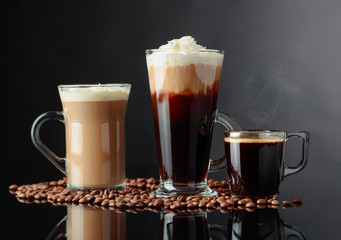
(98, 200)
(158, 203)
(250, 205)
(130, 204)
(261, 206)
(13, 187)
(69, 198)
(37, 196)
(250, 209)
(76, 198)
(120, 205)
(297, 200)
(105, 202)
(275, 202)
(224, 205)
(83, 200)
(112, 203)
(139, 205)
(261, 201)
(287, 202)
(209, 205)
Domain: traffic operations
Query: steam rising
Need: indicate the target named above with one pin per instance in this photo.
(266, 93)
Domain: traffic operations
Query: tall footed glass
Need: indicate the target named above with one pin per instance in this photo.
(184, 92)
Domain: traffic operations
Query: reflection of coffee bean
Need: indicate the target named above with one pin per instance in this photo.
(297, 200)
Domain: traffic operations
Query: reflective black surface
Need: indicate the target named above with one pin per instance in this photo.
(313, 220)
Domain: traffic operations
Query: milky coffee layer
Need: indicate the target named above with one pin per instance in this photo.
(94, 93)
(182, 65)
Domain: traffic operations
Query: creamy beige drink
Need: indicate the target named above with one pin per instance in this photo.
(95, 135)
(86, 223)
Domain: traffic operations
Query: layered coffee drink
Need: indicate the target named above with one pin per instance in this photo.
(95, 136)
(254, 166)
(184, 82)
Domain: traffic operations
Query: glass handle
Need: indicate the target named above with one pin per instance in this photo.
(58, 162)
(230, 124)
(217, 231)
(304, 136)
(291, 231)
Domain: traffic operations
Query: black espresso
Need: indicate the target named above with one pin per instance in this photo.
(254, 166)
(183, 135)
(184, 226)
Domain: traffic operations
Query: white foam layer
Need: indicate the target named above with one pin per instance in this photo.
(94, 93)
(184, 44)
(184, 51)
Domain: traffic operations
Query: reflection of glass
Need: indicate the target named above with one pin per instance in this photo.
(260, 224)
(88, 223)
(186, 226)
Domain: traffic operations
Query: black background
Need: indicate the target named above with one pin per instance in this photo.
(282, 70)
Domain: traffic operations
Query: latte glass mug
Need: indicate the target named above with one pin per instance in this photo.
(94, 118)
(255, 161)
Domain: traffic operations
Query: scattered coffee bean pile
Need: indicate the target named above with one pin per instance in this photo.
(137, 197)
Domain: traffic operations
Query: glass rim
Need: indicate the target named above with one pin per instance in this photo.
(254, 133)
(150, 51)
(98, 85)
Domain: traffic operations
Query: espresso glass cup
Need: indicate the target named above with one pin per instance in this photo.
(255, 161)
(184, 92)
(94, 118)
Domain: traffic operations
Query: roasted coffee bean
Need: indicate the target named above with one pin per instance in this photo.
(69, 198)
(83, 200)
(297, 200)
(250, 205)
(112, 203)
(105, 202)
(287, 202)
(250, 209)
(13, 187)
(76, 198)
(158, 203)
(209, 205)
(261, 206)
(261, 201)
(224, 205)
(275, 202)
(98, 200)
(120, 205)
(130, 204)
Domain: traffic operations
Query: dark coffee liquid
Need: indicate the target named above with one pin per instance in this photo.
(184, 227)
(183, 134)
(254, 167)
(259, 224)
